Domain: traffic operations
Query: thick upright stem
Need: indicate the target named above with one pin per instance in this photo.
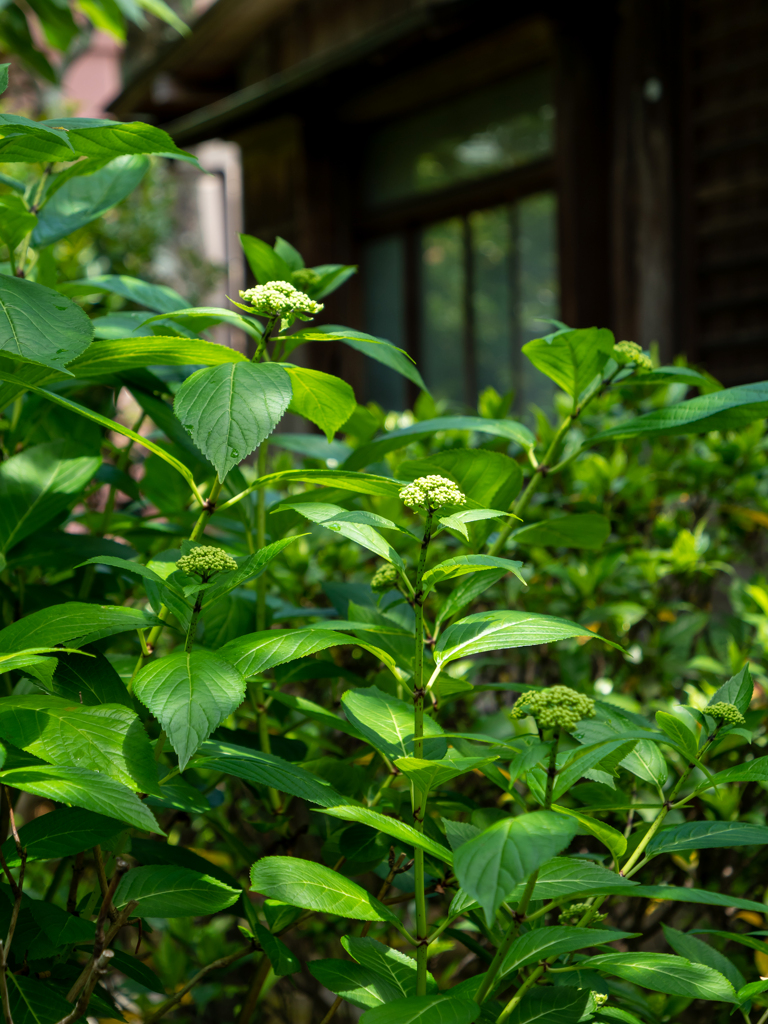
(261, 535)
(192, 628)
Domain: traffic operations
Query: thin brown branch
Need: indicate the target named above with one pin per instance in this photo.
(169, 1004)
(102, 942)
(4, 998)
(97, 968)
(104, 885)
(252, 998)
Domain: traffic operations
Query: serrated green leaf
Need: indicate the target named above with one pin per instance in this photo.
(700, 952)
(678, 731)
(661, 972)
(39, 325)
(461, 565)
(80, 787)
(429, 775)
(467, 591)
(282, 959)
(707, 835)
(441, 1008)
(254, 653)
(72, 623)
(728, 409)
(500, 630)
(200, 318)
(110, 357)
(737, 691)
(490, 865)
(552, 1006)
(229, 410)
(387, 723)
(15, 219)
(190, 694)
(33, 1002)
(392, 827)
(541, 943)
(302, 883)
(108, 739)
(750, 771)
(358, 984)
(164, 890)
(157, 297)
(392, 965)
(325, 400)
(62, 832)
(572, 359)
(608, 836)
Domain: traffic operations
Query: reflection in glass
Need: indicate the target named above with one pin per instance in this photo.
(485, 132)
(442, 309)
(493, 297)
(538, 284)
(384, 262)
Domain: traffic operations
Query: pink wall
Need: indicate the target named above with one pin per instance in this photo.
(93, 80)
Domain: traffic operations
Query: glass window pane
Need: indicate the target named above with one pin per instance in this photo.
(484, 132)
(538, 285)
(442, 309)
(492, 297)
(384, 270)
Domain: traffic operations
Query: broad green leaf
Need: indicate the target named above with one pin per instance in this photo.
(15, 219)
(133, 567)
(60, 833)
(750, 771)
(265, 769)
(720, 410)
(496, 631)
(254, 653)
(325, 400)
(491, 479)
(229, 410)
(38, 484)
(753, 989)
(149, 851)
(661, 972)
(99, 137)
(39, 325)
(108, 739)
(707, 835)
(266, 264)
(430, 775)
(190, 693)
(541, 943)
(358, 984)
(359, 483)
(582, 759)
(440, 1008)
(80, 787)
(387, 723)
(581, 530)
(737, 691)
(392, 827)
(200, 318)
(666, 375)
(33, 1002)
(552, 1006)
(678, 731)
(89, 681)
(382, 351)
(390, 964)
(282, 959)
(302, 883)
(607, 834)
(565, 877)
(354, 525)
(164, 890)
(489, 866)
(86, 197)
(157, 297)
(529, 757)
(72, 623)
(21, 385)
(374, 450)
(461, 565)
(458, 520)
(572, 359)
(108, 357)
(752, 941)
(611, 1013)
(700, 952)
(467, 591)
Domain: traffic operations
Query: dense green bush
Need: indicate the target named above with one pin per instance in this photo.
(440, 716)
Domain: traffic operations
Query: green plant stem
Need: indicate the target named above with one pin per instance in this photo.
(208, 509)
(418, 799)
(33, 208)
(260, 707)
(522, 907)
(529, 982)
(192, 628)
(261, 536)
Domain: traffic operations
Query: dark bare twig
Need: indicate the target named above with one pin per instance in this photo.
(101, 943)
(4, 998)
(103, 884)
(77, 874)
(97, 968)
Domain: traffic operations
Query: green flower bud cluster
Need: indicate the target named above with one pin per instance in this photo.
(600, 998)
(205, 562)
(385, 578)
(576, 911)
(431, 492)
(727, 713)
(553, 708)
(279, 298)
(630, 352)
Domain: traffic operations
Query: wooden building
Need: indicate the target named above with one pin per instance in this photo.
(490, 164)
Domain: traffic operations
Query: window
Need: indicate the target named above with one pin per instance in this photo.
(461, 254)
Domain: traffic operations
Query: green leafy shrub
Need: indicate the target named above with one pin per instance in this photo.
(454, 720)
